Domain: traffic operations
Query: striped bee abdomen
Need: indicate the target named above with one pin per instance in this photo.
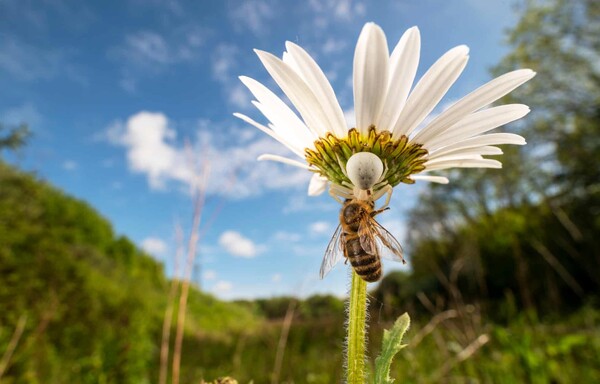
(367, 266)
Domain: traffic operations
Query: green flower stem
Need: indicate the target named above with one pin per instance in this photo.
(357, 333)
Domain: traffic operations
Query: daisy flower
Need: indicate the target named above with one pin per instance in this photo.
(390, 143)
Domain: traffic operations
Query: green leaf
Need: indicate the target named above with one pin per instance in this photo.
(392, 344)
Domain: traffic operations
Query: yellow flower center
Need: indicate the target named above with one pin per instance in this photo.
(400, 158)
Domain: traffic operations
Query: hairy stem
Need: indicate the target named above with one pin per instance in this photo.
(357, 333)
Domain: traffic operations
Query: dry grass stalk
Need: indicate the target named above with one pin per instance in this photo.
(285, 330)
(166, 330)
(199, 199)
(12, 345)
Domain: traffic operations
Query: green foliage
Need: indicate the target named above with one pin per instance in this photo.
(94, 302)
(391, 345)
(15, 138)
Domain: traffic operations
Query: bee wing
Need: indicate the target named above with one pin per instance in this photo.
(333, 253)
(367, 233)
(387, 244)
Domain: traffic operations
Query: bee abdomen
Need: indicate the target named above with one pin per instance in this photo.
(367, 266)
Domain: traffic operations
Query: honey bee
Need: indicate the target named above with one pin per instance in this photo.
(362, 240)
(359, 237)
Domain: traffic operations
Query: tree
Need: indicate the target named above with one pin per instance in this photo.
(531, 228)
(15, 138)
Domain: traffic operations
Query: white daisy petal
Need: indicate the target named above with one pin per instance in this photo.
(289, 60)
(484, 140)
(370, 75)
(317, 185)
(482, 96)
(477, 123)
(287, 122)
(298, 138)
(464, 163)
(284, 160)
(269, 132)
(432, 179)
(298, 92)
(316, 80)
(403, 68)
(430, 89)
(485, 151)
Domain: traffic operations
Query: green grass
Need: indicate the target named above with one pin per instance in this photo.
(563, 351)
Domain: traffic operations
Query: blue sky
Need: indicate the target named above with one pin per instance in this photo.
(122, 96)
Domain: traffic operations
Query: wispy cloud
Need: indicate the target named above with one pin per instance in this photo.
(335, 10)
(209, 274)
(148, 52)
(22, 114)
(223, 60)
(300, 202)
(286, 237)
(225, 69)
(253, 15)
(39, 14)
(27, 62)
(154, 246)
(238, 245)
(320, 228)
(172, 6)
(70, 165)
(222, 286)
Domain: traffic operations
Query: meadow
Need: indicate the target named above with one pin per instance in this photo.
(503, 288)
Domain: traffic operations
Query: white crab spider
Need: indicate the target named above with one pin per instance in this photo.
(367, 173)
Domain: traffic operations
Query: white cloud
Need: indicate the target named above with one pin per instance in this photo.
(397, 227)
(335, 10)
(222, 286)
(276, 278)
(301, 202)
(69, 165)
(287, 237)
(350, 117)
(223, 61)
(237, 96)
(253, 15)
(209, 274)
(333, 45)
(238, 245)
(147, 138)
(230, 159)
(320, 228)
(154, 246)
